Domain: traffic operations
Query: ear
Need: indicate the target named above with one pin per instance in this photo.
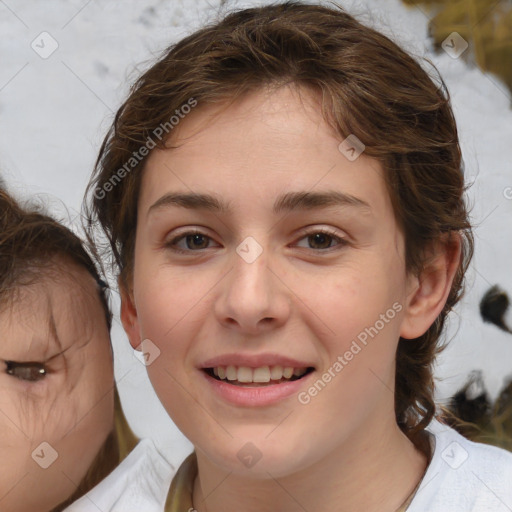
(427, 293)
(129, 317)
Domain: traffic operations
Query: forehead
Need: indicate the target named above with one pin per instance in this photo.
(56, 309)
(263, 144)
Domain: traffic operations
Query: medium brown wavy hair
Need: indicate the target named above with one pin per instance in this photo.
(369, 86)
(30, 242)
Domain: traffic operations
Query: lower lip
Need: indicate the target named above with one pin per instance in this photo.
(256, 396)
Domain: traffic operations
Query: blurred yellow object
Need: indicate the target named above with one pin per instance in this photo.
(485, 24)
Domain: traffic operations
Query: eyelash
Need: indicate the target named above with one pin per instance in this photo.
(35, 369)
(340, 241)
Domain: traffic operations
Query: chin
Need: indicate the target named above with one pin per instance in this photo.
(259, 459)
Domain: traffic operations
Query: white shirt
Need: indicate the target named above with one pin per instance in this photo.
(463, 476)
(139, 484)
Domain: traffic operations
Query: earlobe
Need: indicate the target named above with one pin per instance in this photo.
(430, 290)
(129, 317)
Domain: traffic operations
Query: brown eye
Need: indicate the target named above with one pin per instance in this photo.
(320, 239)
(26, 371)
(194, 241)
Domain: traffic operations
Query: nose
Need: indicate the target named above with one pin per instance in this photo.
(253, 298)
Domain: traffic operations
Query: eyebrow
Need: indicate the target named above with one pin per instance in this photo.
(44, 358)
(291, 201)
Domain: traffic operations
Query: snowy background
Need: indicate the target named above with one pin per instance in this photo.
(55, 111)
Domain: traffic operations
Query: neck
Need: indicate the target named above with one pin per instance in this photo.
(376, 476)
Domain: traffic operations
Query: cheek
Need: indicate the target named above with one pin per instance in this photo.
(360, 312)
(346, 300)
(174, 308)
(93, 392)
(89, 416)
(168, 300)
(15, 441)
(38, 410)
(80, 446)
(82, 410)
(164, 300)
(71, 437)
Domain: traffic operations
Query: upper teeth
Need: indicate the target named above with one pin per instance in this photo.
(261, 374)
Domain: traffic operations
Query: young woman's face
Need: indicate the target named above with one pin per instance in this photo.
(56, 413)
(291, 256)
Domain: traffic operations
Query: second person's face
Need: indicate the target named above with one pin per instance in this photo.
(56, 390)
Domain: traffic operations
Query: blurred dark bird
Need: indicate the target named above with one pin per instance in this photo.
(471, 406)
(493, 307)
(471, 412)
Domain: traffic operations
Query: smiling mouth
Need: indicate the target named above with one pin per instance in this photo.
(257, 377)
